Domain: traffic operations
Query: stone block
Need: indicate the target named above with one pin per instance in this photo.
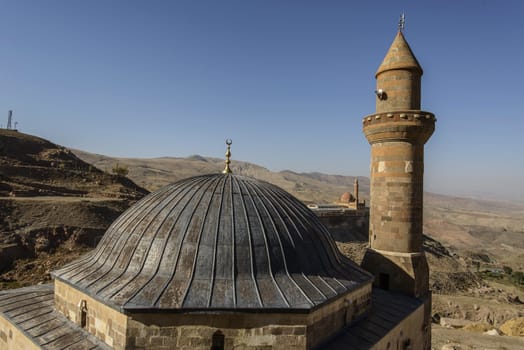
(156, 340)
(183, 341)
(140, 341)
(167, 331)
(201, 342)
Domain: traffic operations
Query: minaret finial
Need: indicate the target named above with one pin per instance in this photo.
(401, 22)
(228, 157)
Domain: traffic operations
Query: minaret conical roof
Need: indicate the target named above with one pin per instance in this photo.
(399, 56)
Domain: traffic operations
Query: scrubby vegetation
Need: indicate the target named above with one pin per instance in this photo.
(121, 170)
(505, 275)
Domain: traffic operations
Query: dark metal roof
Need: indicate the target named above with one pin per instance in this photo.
(31, 311)
(219, 242)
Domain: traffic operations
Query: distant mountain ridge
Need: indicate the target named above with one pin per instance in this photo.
(154, 173)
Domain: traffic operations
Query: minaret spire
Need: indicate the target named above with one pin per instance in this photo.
(227, 170)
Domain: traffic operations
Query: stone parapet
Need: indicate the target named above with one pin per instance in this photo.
(12, 338)
(104, 322)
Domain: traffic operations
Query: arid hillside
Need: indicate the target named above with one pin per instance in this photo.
(153, 173)
(486, 232)
(31, 166)
(53, 206)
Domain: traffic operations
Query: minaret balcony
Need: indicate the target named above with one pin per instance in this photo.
(410, 125)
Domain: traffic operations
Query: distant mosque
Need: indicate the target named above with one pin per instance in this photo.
(224, 261)
(347, 201)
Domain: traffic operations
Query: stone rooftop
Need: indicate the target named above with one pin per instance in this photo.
(388, 310)
(31, 310)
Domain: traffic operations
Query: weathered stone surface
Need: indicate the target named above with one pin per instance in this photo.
(514, 327)
(28, 321)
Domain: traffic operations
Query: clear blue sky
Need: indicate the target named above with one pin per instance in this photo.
(288, 81)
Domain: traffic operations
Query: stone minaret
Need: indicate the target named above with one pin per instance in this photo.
(397, 132)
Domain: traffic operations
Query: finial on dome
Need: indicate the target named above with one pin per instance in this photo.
(228, 157)
(401, 22)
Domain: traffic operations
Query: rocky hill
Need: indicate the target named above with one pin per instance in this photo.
(53, 206)
(31, 166)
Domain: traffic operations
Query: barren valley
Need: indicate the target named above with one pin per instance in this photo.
(55, 204)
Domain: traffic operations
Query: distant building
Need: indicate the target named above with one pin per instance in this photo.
(224, 261)
(347, 219)
(346, 201)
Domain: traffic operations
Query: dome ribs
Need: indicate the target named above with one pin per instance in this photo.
(95, 253)
(218, 286)
(314, 293)
(244, 289)
(293, 291)
(174, 292)
(200, 285)
(148, 287)
(119, 221)
(301, 218)
(233, 242)
(131, 259)
(216, 242)
(310, 223)
(270, 293)
(103, 251)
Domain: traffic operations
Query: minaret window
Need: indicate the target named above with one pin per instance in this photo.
(83, 314)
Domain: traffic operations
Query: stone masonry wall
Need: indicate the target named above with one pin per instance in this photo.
(200, 337)
(13, 339)
(102, 321)
(326, 321)
(162, 331)
(413, 333)
(248, 330)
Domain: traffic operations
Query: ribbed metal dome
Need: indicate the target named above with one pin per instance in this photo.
(218, 241)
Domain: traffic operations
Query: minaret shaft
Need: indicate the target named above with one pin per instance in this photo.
(396, 196)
